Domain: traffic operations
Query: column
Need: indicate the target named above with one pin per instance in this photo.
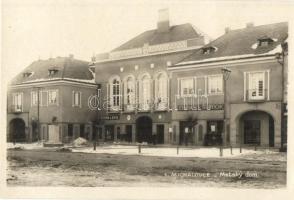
(166, 134)
(115, 133)
(278, 131)
(233, 133)
(133, 133)
(196, 142)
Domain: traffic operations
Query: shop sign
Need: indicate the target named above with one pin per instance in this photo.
(111, 117)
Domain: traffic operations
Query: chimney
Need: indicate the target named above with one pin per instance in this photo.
(163, 21)
(227, 30)
(250, 25)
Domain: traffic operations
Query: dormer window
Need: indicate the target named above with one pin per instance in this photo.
(208, 50)
(27, 74)
(265, 41)
(52, 72)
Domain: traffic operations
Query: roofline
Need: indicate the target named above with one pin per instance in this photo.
(62, 81)
(222, 62)
(155, 29)
(146, 55)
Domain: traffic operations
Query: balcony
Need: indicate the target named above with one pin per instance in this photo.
(129, 107)
(139, 107)
(162, 106)
(144, 107)
(255, 95)
(15, 109)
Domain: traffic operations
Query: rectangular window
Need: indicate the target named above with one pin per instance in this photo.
(77, 98)
(52, 97)
(34, 98)
(17, 103)
(187, 87)
(256, 85)
(44, 98)
(215, 84)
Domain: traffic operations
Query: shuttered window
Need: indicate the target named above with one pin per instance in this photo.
(256, 85)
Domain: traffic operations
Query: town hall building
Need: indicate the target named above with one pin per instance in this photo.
(171, 85)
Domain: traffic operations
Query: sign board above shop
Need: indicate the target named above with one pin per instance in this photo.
(201, 107)
(111, 117)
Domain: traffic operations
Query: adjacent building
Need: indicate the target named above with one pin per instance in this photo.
(235, 87)
(170, 85)
(49, 101)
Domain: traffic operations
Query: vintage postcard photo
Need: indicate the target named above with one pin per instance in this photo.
(103, 95)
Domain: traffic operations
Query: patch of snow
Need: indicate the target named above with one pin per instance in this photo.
(35, 145)
(40, 79)
(168, 151)
(278, 49)
(254, 46)
(80, 141)
(80, 80)
(69, 79)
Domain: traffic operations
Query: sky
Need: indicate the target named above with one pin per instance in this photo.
(33, 29)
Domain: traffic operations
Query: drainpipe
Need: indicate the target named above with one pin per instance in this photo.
(38, 113)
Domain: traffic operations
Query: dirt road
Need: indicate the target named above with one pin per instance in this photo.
(49, 168)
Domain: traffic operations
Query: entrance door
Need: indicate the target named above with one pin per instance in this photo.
(160, 134)
(252, 132)
(144, 129)
(53, 133)
(129, 131)
(17, 130)
(185, 132)
(109, 133)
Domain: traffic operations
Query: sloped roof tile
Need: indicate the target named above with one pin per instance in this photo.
(153, 37)
(241, 42)
(67, 68)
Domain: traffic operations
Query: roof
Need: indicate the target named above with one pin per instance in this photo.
(67, 69)
(153, 37)
(241, 43)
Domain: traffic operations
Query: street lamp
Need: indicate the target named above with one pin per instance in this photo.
(280, 57)
(226, 74)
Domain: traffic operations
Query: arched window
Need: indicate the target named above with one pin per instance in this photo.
(115, 93)
(130, 96)
(145, 92)
(161, 91)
